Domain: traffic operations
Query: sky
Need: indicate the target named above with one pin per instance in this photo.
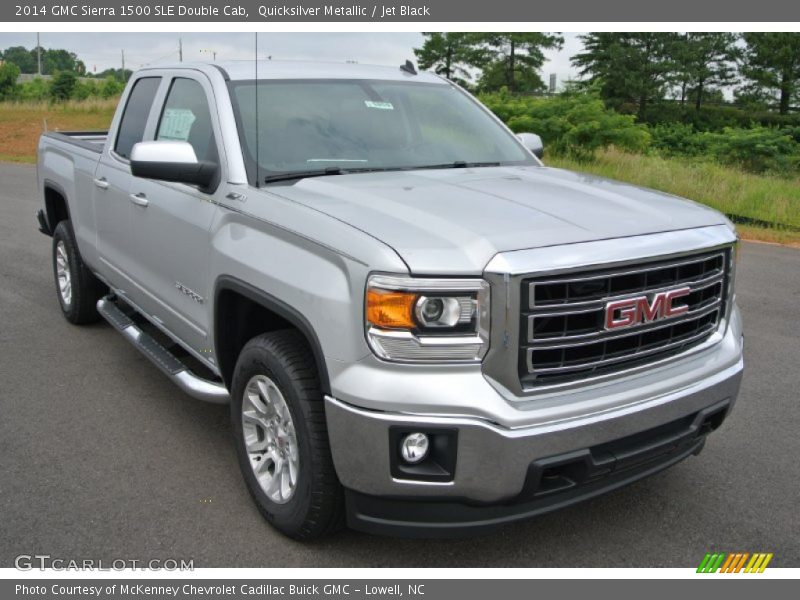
(100, 51)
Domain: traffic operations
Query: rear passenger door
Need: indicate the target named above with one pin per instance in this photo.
(171, 221)
(112, 178)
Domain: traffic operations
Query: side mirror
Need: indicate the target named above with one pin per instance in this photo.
(532, 142)
(168, 160)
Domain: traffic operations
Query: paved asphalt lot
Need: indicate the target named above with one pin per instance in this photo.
(101, 457)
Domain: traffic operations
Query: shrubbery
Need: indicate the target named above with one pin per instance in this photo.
(64, 85)
(756, 149)
(715, 118)
(571, 124)
(578, 124)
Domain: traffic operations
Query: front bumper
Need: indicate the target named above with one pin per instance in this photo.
(500, 471)
(550, 484)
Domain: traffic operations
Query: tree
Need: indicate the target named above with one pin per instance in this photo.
(772, 62)
(704, 60)
(54, 59)
(628, 67)
(513, 60)
(449, 54)
(21, 57)
(8, 80)
(63, 84)
(117, 74)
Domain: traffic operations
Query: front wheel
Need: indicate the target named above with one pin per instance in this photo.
(281, 436)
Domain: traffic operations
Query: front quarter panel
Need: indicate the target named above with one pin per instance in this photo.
(295, 254)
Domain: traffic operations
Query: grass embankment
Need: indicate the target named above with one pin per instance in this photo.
(765, 208)
(22, 123)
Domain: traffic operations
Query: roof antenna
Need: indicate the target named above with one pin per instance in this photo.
(408, 68)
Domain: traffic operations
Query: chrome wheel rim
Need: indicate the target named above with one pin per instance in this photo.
(270, 439)
(63, 274)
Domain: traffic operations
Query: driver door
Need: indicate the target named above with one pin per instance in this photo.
(170, 222)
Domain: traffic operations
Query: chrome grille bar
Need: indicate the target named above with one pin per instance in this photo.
(592, 338)
(641, 353)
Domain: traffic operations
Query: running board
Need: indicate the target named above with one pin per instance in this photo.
(170, 365)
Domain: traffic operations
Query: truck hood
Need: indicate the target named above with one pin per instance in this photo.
(453, 221)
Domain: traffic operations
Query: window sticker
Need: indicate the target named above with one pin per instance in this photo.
(176, 124)
(379, 105)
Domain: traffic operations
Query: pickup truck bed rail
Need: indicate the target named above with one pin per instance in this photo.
(91, 140)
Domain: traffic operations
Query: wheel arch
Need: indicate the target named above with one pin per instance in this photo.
(231, 294)
(55, 204)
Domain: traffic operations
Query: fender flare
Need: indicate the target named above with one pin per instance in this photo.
(280, 308)
(56, 187)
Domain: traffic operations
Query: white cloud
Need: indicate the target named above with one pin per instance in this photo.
(100, 51)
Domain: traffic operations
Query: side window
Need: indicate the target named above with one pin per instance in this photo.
(186, 118)
(134, 119)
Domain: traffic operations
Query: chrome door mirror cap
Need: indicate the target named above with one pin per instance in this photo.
(532, 142)
(164, 151)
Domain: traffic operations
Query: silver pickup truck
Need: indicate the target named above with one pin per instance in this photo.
(420, 329)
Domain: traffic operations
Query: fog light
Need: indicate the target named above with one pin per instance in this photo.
(414, 447)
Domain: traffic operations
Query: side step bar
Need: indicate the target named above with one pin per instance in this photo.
(170, 365)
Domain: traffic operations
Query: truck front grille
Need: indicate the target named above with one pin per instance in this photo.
(563, 333)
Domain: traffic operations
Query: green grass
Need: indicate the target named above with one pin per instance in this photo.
(772, 202)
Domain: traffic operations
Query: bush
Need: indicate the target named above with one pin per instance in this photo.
(8, 80)
(85, 89)
(759, 149)
(63, 84)
(33, 90)
(572, 124)
(678, 139)
(756, 149)
(110, 87)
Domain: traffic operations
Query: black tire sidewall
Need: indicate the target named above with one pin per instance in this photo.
(63, 233)
(290, 516)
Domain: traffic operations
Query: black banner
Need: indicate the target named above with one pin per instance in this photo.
(259, 11)
(731, 587)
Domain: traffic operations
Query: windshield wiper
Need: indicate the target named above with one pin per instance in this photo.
(459, 164)
(303, 174)
(322, 173)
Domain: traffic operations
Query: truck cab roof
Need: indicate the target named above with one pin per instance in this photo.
(243, 70)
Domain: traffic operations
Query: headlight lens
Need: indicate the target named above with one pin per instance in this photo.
(427, 320)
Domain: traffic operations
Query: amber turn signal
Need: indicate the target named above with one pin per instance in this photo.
(390, 309)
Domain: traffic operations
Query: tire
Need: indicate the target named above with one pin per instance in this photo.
(78, 290)
(279, 366)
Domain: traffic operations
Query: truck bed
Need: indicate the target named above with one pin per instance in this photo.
(90, 140)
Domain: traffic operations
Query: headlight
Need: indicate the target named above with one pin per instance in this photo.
(427, 320)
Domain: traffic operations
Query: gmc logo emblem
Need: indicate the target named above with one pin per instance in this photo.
(641, 309)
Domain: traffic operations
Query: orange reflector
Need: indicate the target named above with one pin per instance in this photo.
(391, 309)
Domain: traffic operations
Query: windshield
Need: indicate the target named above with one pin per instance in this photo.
(297, 126)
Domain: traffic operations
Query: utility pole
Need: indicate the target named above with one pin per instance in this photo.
(123, 65)
(180, 49)
(38, 56)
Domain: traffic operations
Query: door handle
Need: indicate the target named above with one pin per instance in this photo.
(102, 183)
(139, 200)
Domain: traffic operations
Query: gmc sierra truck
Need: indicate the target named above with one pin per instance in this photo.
(420, 328)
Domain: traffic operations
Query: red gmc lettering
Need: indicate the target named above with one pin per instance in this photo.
(631, 311)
